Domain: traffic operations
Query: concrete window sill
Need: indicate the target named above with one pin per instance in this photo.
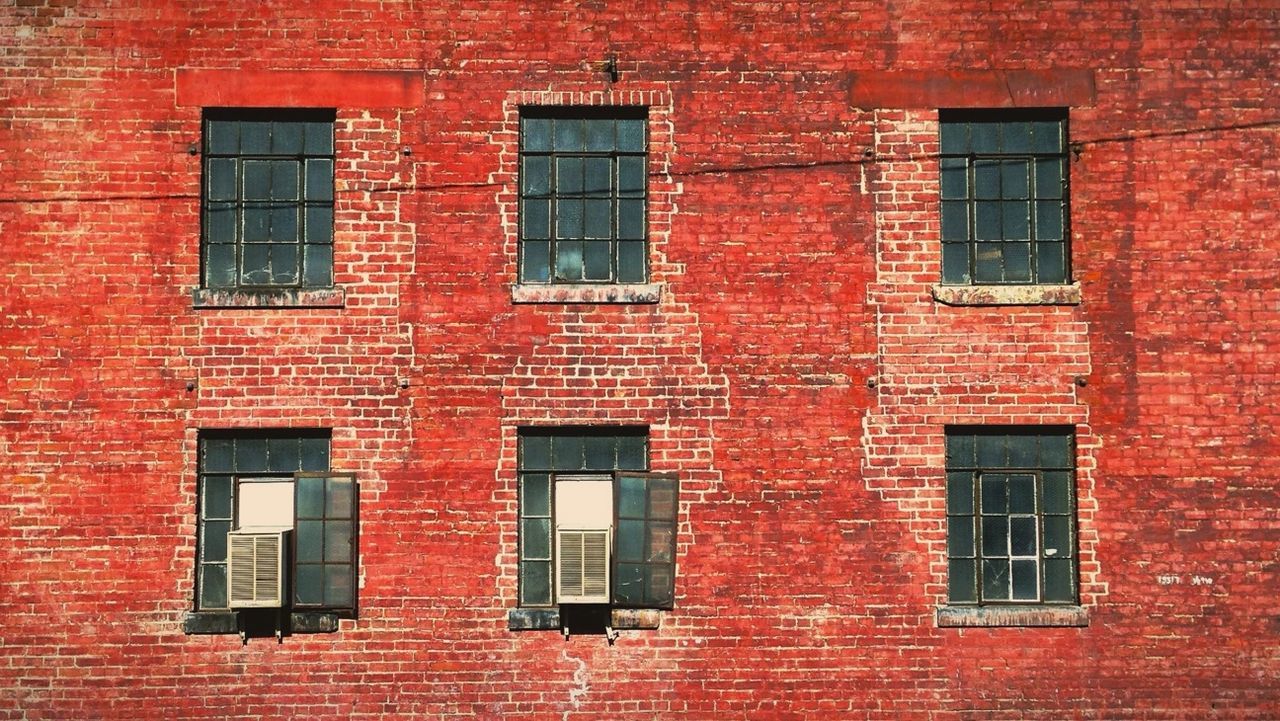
(994, 616)
(624, 293)
(198, 623)
(548, 619)
(283, 298)
(963, 295)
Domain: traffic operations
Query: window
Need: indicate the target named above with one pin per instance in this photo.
(278, 479)
(583, 182)
(1004, 197)
(1011, 515)
(267, 200)
(572, 481)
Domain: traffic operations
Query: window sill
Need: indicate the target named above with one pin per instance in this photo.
(282, 298)
(636, 293)
(961, 295)
(548, 619)
(994, 616)
(201, 623)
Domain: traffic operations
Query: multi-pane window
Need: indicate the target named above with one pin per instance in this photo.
(639, 509)
(268, 199)
(583, 183)
(279, 479)
(1004, 197)
(1011, 515)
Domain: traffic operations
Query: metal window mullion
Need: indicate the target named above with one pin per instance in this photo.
(971, 223)
(613, 213)
(978, 555)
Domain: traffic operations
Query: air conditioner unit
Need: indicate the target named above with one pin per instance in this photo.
(256, 568)
(584, 531)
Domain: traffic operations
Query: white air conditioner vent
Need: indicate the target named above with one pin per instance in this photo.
(583, 575)
(256, 568)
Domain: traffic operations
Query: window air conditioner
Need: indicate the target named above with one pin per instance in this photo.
(584, 529)
(256, 568)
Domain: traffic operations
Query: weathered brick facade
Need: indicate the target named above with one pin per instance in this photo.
(794, 359)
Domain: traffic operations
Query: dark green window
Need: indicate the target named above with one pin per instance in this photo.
(1004, 197)
(1011, 515)
(268, 199)
(324, 511)
(644, 512)
(583, 181)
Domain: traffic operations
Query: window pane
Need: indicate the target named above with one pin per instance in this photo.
(569, 219)
(1055, 451)
(991, 450)
(995, 536)
(310, 541)
(309, 581)
(535, 219)
(310, 497)
(1022, 450)
(257, 224)
(251, 455)
(284, 180)
(569, 260)
(661, 537)
(984, 137)
(960, 536)
(1057, 536)
(1017, 137)
(220, 266)
(337, 585)
(1049, 220)
(955, 180)
(955, 138)
(282, 455)
(631, 219)
(986, 179)
(569, 175)
(960, 450)
(339, 498)
(960, 492)
(535, 134)
(631, 180)
(319, 179)
(255, 138)
(961, 581)
(319, 265)
(631, 135)
(1022, 535)
(995, 579)
(597, 263)
(535, 538)
(535, 452)
(257, 180)
(631, 256)
(1059, 580)
(1050, 264)
(1047, 137)
(660, 585)
(535, 266)
(1025, 581)
(318, 138)
(955, 220)
(222, 137)
(1022, 494)
(632, 453)
(599, 134)
(598, 176)
(213, 586)
(988, 263)
(213, 544)
(631, 497)
(535, 496)
(662, 498)
(220, 224)
(601, 452)
(286, 138)
(284, 224)
(1015, 220)
(568, 135)
(217, 497)
(216, 455)
(535, 176)
(567, 453)
(628, 580)
(535, 583)
(284, 264)
(1048, 178)
(1017, 262)
(319, 224)
(337, 541)
(987, 215)
(598, 221)
(1057, 492)
(221, 181)
(315, 454)
(994, 499)
(955, 263)
(630, 540)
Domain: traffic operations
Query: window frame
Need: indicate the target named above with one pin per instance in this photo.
(966, 517)
(548, 274)
(237, 201)
(1038, 250)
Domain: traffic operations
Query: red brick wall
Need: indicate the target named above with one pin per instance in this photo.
(794, 228)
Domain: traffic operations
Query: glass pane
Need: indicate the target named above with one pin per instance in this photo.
(962, 581)
(1047, 137)
(535, 219)
(1014, 178)
(338, 541)
(628, 580)
(631, 180)
(217, 497)
(631, 255)
(284, 224)
(987, 215)
(960, 450)
(960, 492)
(955, 180)
(315, 454)
(319, 224)
(995, 536)
(601, 452)
(955, 220)
(310, 497)
(568, 134)
(251, 455)
(535, 452)
(257, 180)
(632, 453)
(337, 585)
(535, 176)
(221, 181)
(535, 134)
(1055, 451)
(597, 263)
(1057, 492)
(284, 264)
(310, 541)
(255, 138)
(319, 179)
(1017, 137)
(1049, 220)
(569, 176)
(1050, 265)
(1048, 178)
(1022, 450)
(216, 455)
(991, 450)
(257, 224)
(662, 499)
(567, 453)
(631, 219)
(995, 580)
(213, 544)
(222, 137)
(986, 179)
(286, 138)
(661, 585)
(988, 263)
(309, 582)
(598, 221)
(1059, 580)
(955, 263)
(282, 455)
(631, 497)
(339, 498)
(1025, 581)
(319, 266)
(1057, 536)
(569, 260)
(599, 134)
(220, 224)
(318, 138)
(994, 499)
(535, 538)
(569, 219)
(984, 137)
(213, 586)
(630, 540)
(220, 266)
(535, 583)
(631, 135)
(535, 497)
(598, 176)
(1022, 535)
(535, 265)
(960, 536)
(284, 180)
(1022, 494)
(954, 138)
